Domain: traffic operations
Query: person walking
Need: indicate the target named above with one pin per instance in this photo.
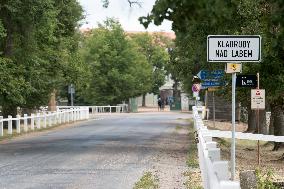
(159, 104)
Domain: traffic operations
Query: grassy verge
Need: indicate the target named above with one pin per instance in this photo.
(193, 175)
(178, 127)
(147, 181)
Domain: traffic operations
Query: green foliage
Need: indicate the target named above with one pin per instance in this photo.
(265, 180)
(38, 49)
(194, 20)
(156, 56)
(118, 70)
(148, 181)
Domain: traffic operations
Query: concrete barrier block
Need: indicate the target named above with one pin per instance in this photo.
(221, 168)
(214, 154)
(229, 185)
(211, 145)
(207, 138)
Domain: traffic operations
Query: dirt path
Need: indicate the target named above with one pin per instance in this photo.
(169, 164)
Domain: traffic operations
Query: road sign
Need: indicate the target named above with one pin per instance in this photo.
(206, 74)
(211, 78)
(71, 89)
(258, 99)
(195, 94)
(246, 81)
(213, 89)
(233, 48)
(233, 68)
(196, 87)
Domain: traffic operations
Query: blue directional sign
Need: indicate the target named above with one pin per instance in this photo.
(211, 78)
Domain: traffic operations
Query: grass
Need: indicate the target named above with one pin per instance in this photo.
(147, 181)
(178, 127)
(193, 180)
(239, 143)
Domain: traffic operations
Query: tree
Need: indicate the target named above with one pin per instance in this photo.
(118, 70)
(194, 20)
(38, 44)
(155, 52)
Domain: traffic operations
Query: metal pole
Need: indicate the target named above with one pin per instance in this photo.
(213, 109)
(258, 130)
(233, 145)
(206, 103)
(72, 99)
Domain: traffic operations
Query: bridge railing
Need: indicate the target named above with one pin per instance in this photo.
(42, 120)
(214, 172)
(120, 108)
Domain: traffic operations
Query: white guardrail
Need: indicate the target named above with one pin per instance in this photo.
(43, 120)
(214, 172)
(121, 108)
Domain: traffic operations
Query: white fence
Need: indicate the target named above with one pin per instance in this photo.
(246, 136)
(121, 108)
(43, 120)
(215, 173)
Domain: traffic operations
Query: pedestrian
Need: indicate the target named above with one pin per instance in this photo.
(159, 104)
(163, 104)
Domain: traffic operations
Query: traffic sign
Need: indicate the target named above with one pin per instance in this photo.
(196, 87)
(246, 81)
(258, 99)
(233, 48)
(206, 74)
(211, 78)
(71, 89)
(233, 68)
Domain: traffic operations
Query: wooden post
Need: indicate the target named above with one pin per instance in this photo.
(38, 121)
(44, 119)
(18, 124)
(10, 127)
(49, 119)
(25, 123)
(258, 129)
(1, 126)
(32, 122)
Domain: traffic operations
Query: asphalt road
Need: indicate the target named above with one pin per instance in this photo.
(110, 153)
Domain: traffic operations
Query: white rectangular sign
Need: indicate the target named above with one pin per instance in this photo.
(233, 48)
(258, 99)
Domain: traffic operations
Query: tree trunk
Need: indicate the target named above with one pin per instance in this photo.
(52, 102)
(271, 125)
(251, 121)
(263, 128)
(175, 90)
(144, 100)
(278, 123)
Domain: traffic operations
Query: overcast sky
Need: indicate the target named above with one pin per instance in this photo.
(119, 9)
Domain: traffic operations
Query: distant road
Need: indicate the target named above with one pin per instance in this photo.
(111, 152)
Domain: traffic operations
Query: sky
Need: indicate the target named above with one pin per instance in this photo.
(120, 9)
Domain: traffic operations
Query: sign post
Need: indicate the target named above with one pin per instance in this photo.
(258, 103)
(233, 48)
(257, 119)
(71, 91)
(233, 142)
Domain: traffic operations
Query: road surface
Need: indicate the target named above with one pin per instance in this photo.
(111, 152)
